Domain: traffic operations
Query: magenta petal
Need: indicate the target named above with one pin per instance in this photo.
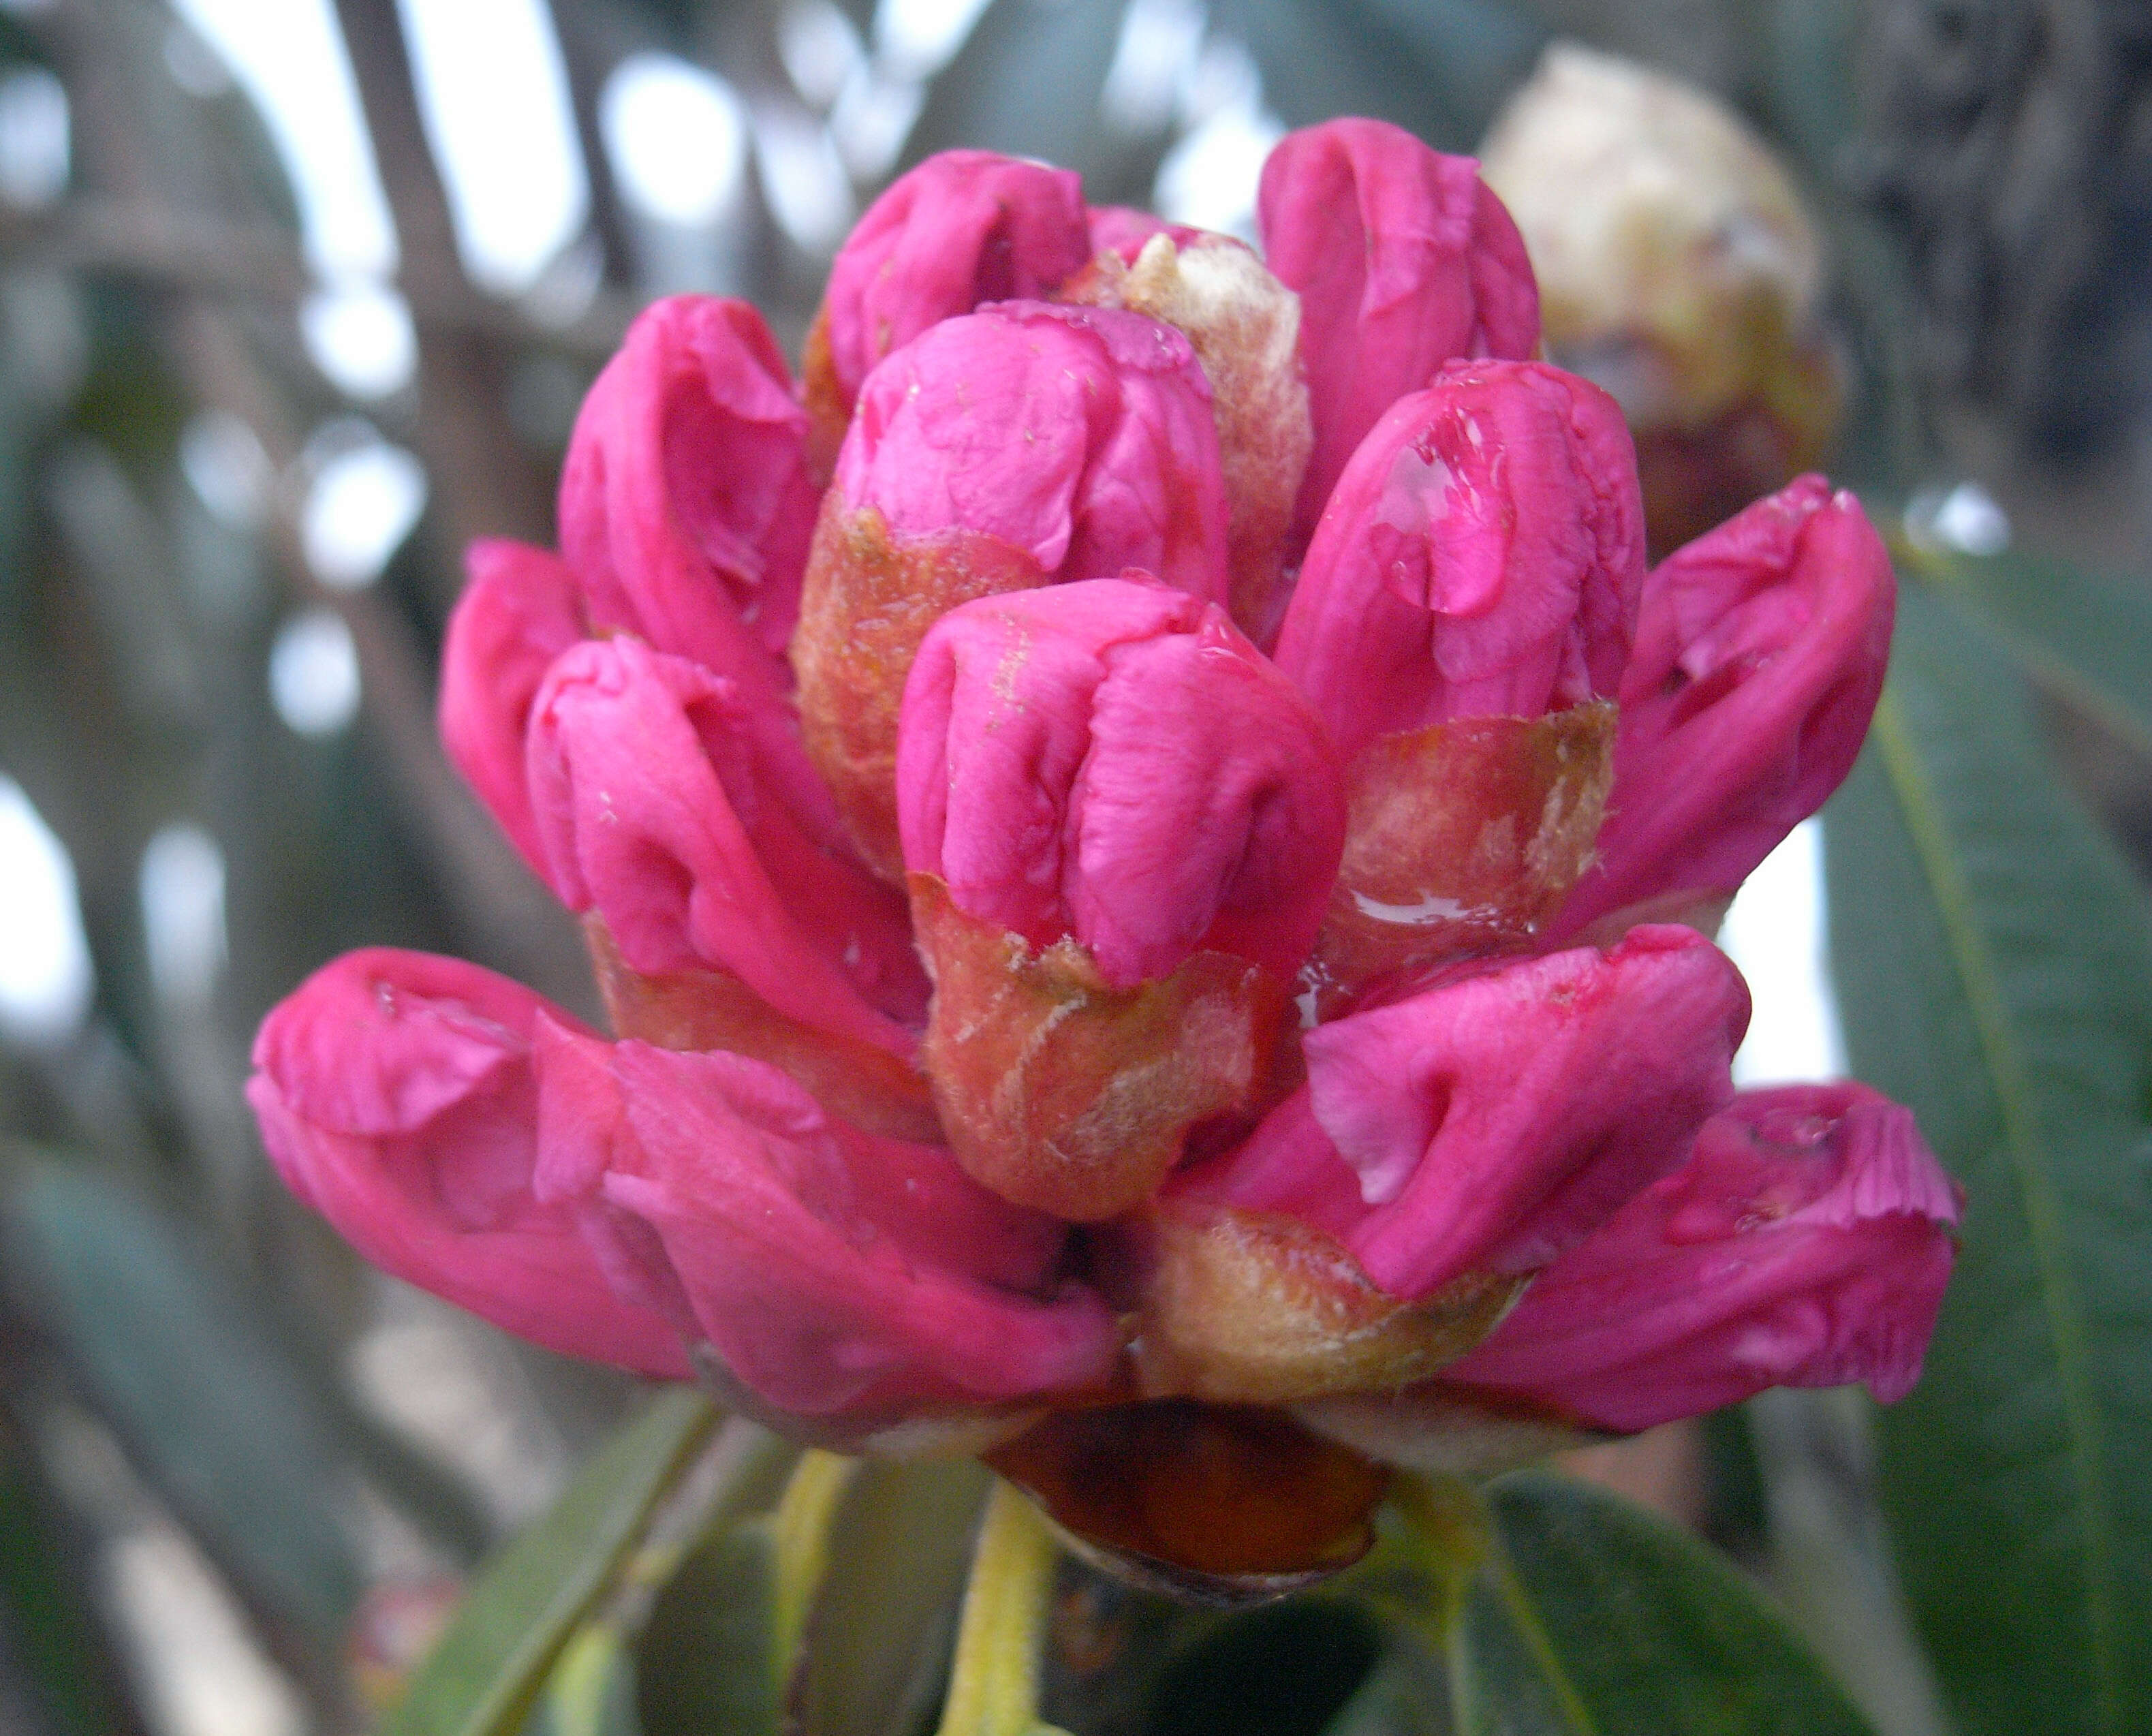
(1083, 436)
(1403, 261)
(1761, 654)
(519, 610)
(396, 1096)
(652, 815)
(768, 1212)
(1497, 1119)
(1806, 1242)
(964, 227)
(1114, 760)
(686, 507)
(1481, 556)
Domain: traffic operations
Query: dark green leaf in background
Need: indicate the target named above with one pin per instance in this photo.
(2089, 635)
(490, 1665)
(705, 1665)
(175, 1360)
(1994, 972)
(1592, 1617)
(879, 1639)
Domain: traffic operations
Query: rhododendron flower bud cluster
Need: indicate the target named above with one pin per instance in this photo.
(1148, 839)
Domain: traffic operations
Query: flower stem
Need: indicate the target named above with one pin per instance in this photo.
(800, 1531)
(993, 1684)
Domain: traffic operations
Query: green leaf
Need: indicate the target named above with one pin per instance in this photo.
(2086, 634)
(1592, 1617)
(1286, 1670)
(879, 1639)
(706, 1665)
(1995, 973)
(483, 1676)
(591, 1689)
(175, 1357)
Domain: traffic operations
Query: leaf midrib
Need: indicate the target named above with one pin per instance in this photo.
(2029, 1164)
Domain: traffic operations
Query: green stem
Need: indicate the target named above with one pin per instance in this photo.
(800, 1529)
(993, 1684)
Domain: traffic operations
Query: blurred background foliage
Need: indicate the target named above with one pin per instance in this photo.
(296, 297)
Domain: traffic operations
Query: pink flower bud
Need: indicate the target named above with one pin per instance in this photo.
(1014, 447)
(652, 817)
(521, 609)
(1113, 762)
(1403, 261)
(964, 228)
(1805, 1242)
(1761, 654)
(1121, 824)
(1481, 556)
(834, 1272)
(1491, 1122)
(397, 1096)
(685, 504)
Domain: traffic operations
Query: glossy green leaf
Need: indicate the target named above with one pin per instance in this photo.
(177, 1361)
(1994, 972)
(483, 1676)
(2087, 634)
(878, 1637)
(1592, 1617)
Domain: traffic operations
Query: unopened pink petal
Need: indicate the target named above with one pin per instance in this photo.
(1403, 261)
(1760, 655)
(963, 228)
(651, 814)
(519, 609)
(817, 1293)
(1114, 761)
(1482, 556)
(396, 1096)
(686, 506)
(1495, 1119)
(1083, 436)
(1806, 1242)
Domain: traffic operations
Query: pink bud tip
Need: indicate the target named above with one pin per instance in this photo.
(1806, 1242)
(397, 1096)
(686, 506)
(1481, 556)
(964, 228)
(1491, 1122)
(1761, 654)
(1403, 261)
(1114, 761)
(521, 609)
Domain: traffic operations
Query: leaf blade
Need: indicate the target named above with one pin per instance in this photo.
(1995, 974)
(1592, 1617)
(483, 1676)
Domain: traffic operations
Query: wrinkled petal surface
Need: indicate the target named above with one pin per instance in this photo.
(1491, 1122)
(1805, 1243)
(1482, 556)
(397, 1096)
(1112, 761)
(1760, 655)
(1403, 261)
(686, 506)
(1081, 435)
(831, 1271)
(963, 228)
(652, 815)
